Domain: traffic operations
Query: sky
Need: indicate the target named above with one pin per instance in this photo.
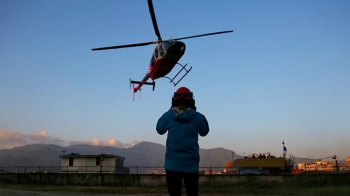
(282, 75)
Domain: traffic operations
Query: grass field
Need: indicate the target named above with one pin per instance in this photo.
(240, 190)
(300, 185)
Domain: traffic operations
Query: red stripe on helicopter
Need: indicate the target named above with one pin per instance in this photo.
(161, 67)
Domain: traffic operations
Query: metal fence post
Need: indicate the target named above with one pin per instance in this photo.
(39, 174)
(67, 175)
(18, 175)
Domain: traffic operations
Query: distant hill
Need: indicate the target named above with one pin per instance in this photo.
(142, 154)
(31, 155)
(146, 154)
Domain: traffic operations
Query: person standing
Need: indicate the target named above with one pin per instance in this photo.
(183, 124)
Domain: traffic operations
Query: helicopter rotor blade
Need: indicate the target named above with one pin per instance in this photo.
(154, 21)
(215, 33)
(126, 46)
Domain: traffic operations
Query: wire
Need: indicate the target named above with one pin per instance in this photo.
(342, 164)
(317, 158)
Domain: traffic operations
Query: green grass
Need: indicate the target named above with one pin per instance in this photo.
(237, 189)
(291, 188)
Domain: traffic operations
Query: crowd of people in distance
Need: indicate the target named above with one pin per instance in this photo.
(260, 156)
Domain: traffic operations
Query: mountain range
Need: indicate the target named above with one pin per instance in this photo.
(145, 154)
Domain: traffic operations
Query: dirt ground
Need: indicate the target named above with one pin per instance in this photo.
(11, 192)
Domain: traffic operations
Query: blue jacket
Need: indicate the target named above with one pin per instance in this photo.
(182, 148)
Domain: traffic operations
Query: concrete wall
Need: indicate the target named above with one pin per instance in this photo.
(88, 164)
(157, 180)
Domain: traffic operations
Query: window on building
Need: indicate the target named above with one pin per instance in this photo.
(98, 160)
(70, 161)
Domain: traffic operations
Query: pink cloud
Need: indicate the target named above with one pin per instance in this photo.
(111, 142)
(11, 139)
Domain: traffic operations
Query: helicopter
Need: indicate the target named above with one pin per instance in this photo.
(165, 56)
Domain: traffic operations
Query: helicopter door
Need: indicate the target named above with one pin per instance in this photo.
(154, 57)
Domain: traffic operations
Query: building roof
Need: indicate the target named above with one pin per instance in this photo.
(75, 155)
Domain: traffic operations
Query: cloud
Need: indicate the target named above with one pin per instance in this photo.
(112, 142)
(11, 139)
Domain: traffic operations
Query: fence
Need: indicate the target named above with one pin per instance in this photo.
(144, 180)
(104, 169)
(158, 170)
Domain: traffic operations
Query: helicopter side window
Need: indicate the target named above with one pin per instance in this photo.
(160, 51)
(156, 53)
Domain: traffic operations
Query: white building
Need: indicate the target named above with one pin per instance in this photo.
(102, 163)
(319, 165)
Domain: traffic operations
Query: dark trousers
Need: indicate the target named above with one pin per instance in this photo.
(174, 182)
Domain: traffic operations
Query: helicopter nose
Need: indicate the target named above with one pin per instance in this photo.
(177, 48)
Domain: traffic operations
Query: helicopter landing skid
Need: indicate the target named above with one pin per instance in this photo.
(143, 83)
(183, 68)
(139, 87)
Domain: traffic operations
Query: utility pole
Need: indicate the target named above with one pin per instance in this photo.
(284, 156)
(284, 152)
(101, 163)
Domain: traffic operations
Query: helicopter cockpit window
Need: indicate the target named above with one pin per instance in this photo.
(166, 45)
